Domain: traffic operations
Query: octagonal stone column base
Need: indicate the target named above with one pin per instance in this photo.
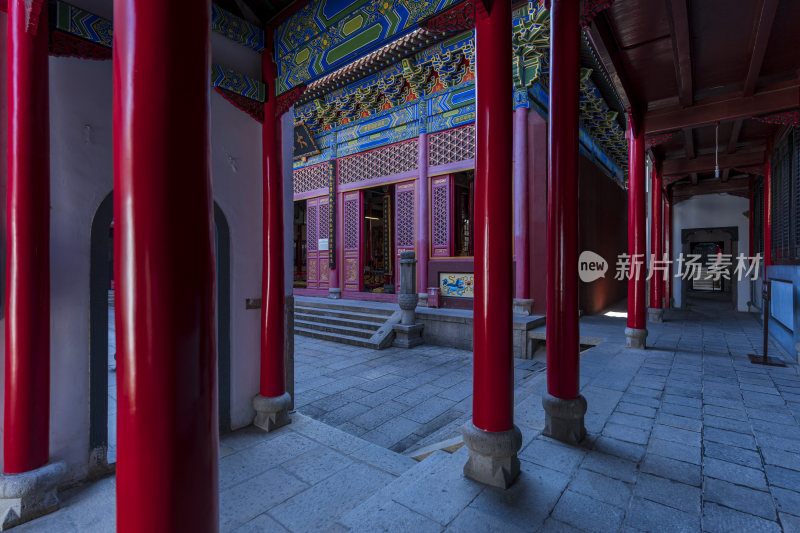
(492, 455)
(523, 306)
(655, 315)
(334, 294)
(636, 338)
(272, 413)
(564, 418)
(407, 336)
(29, 495)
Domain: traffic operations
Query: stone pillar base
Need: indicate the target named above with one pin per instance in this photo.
(564, 418)
(423, 299)
(334, 294)
(655, 315)
(407, 336)
(636, 338)
(29, 495)
(272, 413)
(523, 306)
(492, 455)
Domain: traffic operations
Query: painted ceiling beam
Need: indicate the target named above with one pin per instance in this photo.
(684, 191)
(736, 130)
(763, 31)
(678, 15)
(605, 44)
(688, 143)
(706, 163)
(730, 107)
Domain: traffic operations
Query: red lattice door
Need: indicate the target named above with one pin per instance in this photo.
(442, 216)
(405, 215)
(317, 233)
(353, 224)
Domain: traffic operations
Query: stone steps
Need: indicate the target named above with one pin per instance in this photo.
(389, 508)
(364, 324)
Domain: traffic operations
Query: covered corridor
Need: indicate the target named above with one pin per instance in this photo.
(686, 433)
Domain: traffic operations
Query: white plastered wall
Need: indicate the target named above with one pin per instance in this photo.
(712, 211)
(81, 93)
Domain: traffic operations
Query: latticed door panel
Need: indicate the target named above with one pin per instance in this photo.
(405, 214)
(781, 201)
(353, 229)
(317, 212)
(796, 194)
(441, 216)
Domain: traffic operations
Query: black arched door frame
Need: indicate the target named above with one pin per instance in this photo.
(99, 282)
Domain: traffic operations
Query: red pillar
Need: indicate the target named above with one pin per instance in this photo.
(537, 210)
(563, 405)
(562, 203)
(493, 406)
(273, 375)
(167, 473)
(668, 248)
(656, 244)
(768, 209)
(492, 438)
(637, 307)
(27, 324)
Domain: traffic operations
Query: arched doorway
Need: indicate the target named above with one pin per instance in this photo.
(102, 442)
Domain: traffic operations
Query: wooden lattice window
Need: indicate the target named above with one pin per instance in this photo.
(786, 200)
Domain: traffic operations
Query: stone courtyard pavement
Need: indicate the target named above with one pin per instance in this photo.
(684, 436)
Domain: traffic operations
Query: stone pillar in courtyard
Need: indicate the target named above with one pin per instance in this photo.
(563, 405)
(273, 402)
(636, 332)
(408, 333)
(167, 469)
(492, 438)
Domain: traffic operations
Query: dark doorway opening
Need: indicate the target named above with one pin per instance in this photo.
(378, 243)
(102, 337)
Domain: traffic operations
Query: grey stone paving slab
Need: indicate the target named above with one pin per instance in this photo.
(670, 493)
(675, 450)
(587, 513)
(319, 506)
(471, 520)
(553, 454)
(718, 519)
(732, 454)
(600, 487)
(245, 501)
(645, 515)
(741, 498)
(625, 450)
(783, 477)
(672, 469)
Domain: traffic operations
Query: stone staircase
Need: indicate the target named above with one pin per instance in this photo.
(365, 324)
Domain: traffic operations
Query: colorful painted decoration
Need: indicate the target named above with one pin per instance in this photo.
(75, 21)
(784, 118)
(457, 285)
(234, 82)
(326, 34)
(655, 140)
(236, 29)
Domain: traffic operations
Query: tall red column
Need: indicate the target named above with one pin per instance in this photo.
(636, 332)
(493, 374)
(564, 406)
(768, 209)
(167, 477)
(27, 312)
(668, 249)
(273, 402)
(656, 311)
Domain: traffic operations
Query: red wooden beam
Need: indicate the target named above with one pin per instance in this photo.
(736, 130)
(678, 16)
(763, 30)
(730, 107)
(688, 143)
(706, 163)
(684, 191)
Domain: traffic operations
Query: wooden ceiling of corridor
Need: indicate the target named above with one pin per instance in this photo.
(689, 63)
